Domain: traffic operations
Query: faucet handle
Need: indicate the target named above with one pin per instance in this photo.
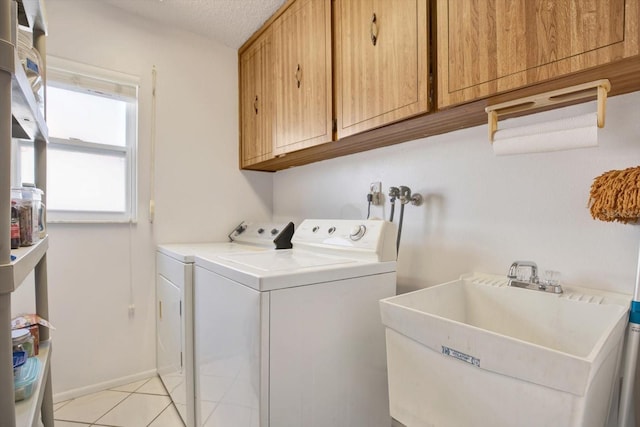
(513, 271)
(551, 277)
(516, 265)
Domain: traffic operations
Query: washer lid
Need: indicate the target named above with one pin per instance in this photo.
(287, 261)
(271, 270)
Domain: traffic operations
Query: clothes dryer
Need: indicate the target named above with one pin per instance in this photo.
(174, 303)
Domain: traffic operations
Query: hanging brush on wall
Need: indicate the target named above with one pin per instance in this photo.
(615, 196)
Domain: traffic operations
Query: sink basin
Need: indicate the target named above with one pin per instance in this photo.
(478, 352)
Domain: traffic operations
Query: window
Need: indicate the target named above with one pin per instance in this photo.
(91, 156)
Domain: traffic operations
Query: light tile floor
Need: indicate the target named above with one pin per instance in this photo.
(141, 404)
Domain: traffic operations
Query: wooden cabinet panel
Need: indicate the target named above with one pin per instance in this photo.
(488, 51)
(491, 46)
(256, 109)
(303, 102)
(381, 62)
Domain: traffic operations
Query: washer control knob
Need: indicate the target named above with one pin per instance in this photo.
(260, 230)
(274, 231)
(332, 230)
(315, 229)
(357, 232)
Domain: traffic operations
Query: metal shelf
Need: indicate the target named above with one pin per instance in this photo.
(28, 410)
(12, 275)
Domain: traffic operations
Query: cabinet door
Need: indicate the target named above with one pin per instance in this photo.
(491, 46)
(302, 43)
(256, 114)
(381, 62)
(169, 336)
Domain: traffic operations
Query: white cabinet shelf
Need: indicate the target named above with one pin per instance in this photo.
(31, 13)
(27, 410)
(27, 119)
(13, 274)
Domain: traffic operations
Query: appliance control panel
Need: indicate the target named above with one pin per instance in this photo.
(266, 234)
(369, 238)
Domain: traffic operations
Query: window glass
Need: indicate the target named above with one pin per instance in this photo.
(89, 182)
(91, 154)
(86, 116)
(27, 173)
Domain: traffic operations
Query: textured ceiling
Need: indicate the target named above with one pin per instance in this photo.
(230, 22)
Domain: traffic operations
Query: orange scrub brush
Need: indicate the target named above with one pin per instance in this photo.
(615, 196)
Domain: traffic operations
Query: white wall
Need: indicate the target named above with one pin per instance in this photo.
(482, 212)
(96, 271)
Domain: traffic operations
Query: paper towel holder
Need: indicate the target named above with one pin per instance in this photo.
(598, 88)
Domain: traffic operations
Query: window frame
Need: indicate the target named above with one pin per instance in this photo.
(107, 83)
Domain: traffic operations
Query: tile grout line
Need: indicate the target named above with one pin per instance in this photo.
(62, 404)
(133, 391)
(150, 394)
(166, 395)
(118, 404)
(141, 394)
(160, 413)
(109, 410)
(129, 394)
(89, 422)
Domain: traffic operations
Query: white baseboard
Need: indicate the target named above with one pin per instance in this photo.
(77, 392)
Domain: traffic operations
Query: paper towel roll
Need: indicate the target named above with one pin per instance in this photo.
(565, 134)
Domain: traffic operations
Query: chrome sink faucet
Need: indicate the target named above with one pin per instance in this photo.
(534, 281)
(513, 270)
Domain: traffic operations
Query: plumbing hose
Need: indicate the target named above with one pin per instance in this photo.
(400, 219)
(393, 208)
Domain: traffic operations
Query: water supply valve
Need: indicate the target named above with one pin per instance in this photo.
(405, 196)
(375, 193)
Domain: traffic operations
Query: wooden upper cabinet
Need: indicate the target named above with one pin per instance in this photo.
(381, 55)
(256, 102)
(491, 46)
(303, 79)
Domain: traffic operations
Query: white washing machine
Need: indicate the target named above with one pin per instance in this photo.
(174, 303)
(294, 338)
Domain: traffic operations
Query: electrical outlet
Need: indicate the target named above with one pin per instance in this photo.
(375, 189)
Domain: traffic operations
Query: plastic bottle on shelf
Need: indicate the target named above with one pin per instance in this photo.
(29, 208)
(15, 226)
(22, 340)
(16, 196)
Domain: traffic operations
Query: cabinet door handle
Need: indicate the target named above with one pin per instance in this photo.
(255, 104)
(374, 29)
(298, 76)
(160, 309)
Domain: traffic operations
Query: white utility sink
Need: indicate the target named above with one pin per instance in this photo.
(477, 352)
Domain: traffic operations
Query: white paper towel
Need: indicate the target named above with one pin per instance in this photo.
(565, 134)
